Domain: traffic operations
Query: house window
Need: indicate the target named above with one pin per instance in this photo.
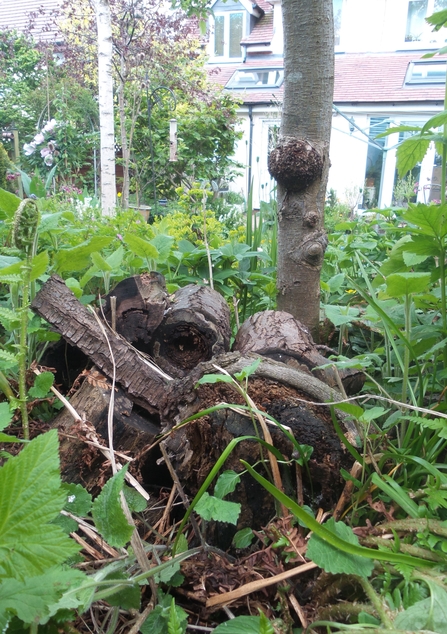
(257, 78)
(228, 33)
(417, 28)
(338, 7)
(432, 72)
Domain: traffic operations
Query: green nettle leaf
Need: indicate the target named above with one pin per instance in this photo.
(109, 516)
(31, 600)
(42, 384)
(243, 538)
(212, 508)
(78, 500)
(165, 575)
(240, 625)
(400, 284)
(333, 560)
(340, 315)
(30, 498)
(158, 620)
(100, 262)
(410, 152)
(431, 219)
(141, 247)
(226, 483)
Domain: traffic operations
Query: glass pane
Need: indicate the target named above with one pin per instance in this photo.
(440, 5)
(338, 4)
(417, 10)
(219, 24)
(236, 22)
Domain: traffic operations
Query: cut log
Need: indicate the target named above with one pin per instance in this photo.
(279, 336)
(196, 328)
(141, 302)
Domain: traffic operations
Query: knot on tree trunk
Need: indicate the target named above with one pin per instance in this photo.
(295, 163)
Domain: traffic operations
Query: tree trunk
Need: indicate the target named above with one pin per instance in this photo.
(106, 114)
(300, 162)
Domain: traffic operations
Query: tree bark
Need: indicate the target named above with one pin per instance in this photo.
(278, 335)
(300, 163)
(106, 114)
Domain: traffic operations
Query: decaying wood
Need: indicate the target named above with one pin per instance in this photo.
(279, 336)
(195, 328)
(137, 376)
(80, 463)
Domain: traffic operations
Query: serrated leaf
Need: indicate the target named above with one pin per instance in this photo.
(410, 152)
(431, 219)
(30, 498)
(8, 356)
(10, 315)
(211, 508)
(39, 265)
(78, 500)
(109, 516)
(226, 483)
(165, 575)
(333, 560)
(436, 121)
(5, 415)
(140, 247)
(42, 384)
(11, 279)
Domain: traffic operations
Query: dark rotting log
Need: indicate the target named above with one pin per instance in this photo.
(279, 336)
(195, 328)
(144, 383)
(141, 302)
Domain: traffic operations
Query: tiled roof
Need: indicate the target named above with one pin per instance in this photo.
(262, 32)
(359, 78)
(380, 77)
(16, 14)
(265, 6)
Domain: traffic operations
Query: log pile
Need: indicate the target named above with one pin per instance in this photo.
(158, 349)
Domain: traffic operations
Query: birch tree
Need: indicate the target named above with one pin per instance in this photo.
(300, 162)
(106, 113)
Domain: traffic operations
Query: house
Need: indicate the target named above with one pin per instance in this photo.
(35, 17)
(380, 81)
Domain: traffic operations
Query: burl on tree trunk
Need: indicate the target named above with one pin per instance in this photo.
(293, 396)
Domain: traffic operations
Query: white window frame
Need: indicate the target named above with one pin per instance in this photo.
(226, 55)
(427, 36)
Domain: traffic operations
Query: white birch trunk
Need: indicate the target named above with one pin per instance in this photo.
(106, 114)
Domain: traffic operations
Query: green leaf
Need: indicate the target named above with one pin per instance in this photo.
(78, 500)
(42, 384)
(428, 614)
(355, 410)
(163, 244)
(215, 378)
(226, 483)
(141, 247)
(431, 219)
(9, 315)
(99, 262)
(165, 575)
(401, 284)
(8, 204)
(158, 619)
(30, 498)
(135, 501)
(410, 152)
(127, 597)
(438, 19)
(243, 538)
(248, 370)
(109, 516)
(240, 625)
(5, 415)
(174, 623)
(436, 121)
(78, 258)
(39, 265)
(398, 128)
(340, 315)
(265, 627)
(115, 259)
(31, 599)
(212, 508)
(333, 560)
